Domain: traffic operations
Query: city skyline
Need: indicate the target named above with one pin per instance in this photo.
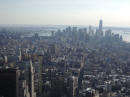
(68, 12)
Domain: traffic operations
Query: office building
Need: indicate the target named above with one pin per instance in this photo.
(9, 83)
(100, 25)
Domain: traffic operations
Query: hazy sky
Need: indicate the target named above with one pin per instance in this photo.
(77, 12)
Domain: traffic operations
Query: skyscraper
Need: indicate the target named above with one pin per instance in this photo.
(99, 31)
(9, 83)
(100, 25)
(73, 86)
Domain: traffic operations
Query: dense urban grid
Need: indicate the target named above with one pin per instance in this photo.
(72, 62)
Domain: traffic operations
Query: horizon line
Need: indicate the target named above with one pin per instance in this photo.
(62, 25)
